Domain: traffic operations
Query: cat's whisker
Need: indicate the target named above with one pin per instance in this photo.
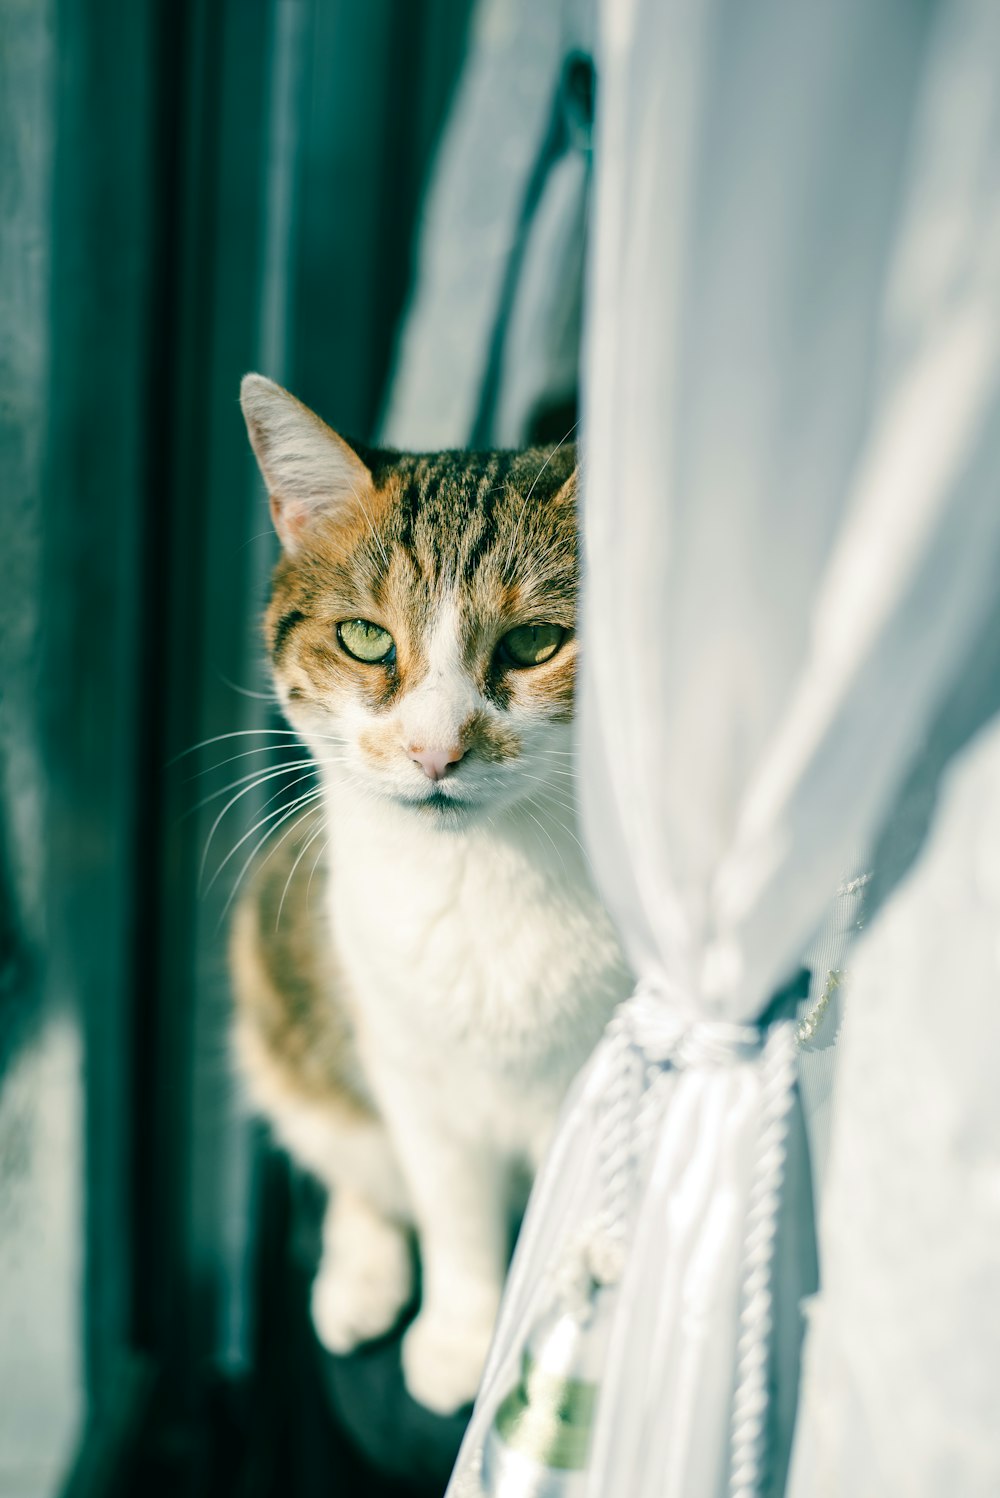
(238, 797)
(549, 803)
(294, 764)
(558, 770)
(282, 814)
(245, 754)
(308, 811)
(270, 696)
(548, 460)
(562, 794)
(375, 535)
(515, 529)
(554, 791)
(570, 834)
(256, 776)
(312, 872)
(555, 849)
(251, 539)
(301, 854)
(239, 733)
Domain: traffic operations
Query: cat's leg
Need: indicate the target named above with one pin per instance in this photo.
(365, 1276)
(463, 1229)
(294, 1041)
(460, 1201)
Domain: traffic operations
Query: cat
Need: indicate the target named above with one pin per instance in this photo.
(411, 1009)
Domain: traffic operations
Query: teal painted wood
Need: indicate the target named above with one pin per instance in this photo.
(97, 426)
(190, 188)
(41, 1394)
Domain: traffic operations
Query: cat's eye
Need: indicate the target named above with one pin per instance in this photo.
(365, 641)
(531, 644)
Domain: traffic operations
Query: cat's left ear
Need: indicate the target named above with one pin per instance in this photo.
(568, 490)
(309, 471)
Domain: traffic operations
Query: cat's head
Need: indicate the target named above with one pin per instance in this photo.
(422, 620)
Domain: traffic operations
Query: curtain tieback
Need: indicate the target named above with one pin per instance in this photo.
(665, 1036)
(540, 1439)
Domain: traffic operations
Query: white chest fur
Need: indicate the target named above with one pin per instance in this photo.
(480, 961)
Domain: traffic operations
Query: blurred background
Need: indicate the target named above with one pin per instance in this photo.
(381, 205)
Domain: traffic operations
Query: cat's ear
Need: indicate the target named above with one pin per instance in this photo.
(567, 492)
(309, 471)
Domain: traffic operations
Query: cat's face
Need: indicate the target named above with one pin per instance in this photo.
(421, 624)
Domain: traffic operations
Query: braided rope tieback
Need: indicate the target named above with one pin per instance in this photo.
(594, 1258)
(750, 1397)
(597, 1257)
(607, 1247)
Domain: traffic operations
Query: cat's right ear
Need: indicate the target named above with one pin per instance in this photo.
(309, 471)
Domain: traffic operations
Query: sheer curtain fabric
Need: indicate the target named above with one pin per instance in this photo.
(792, 534)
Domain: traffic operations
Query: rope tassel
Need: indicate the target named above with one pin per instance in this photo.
(541, 1441)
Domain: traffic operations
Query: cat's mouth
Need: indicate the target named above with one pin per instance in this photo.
(440, 804)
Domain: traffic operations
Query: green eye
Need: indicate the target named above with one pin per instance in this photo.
(531, 644)
(366, 641)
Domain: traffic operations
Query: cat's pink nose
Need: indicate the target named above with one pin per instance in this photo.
(435, 763)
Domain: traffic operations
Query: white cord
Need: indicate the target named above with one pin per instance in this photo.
(750, 1399)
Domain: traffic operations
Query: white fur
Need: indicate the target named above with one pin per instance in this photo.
(365, 1277)
(433, 713)
(481, 968)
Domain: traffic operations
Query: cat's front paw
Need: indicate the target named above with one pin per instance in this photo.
(443, 1360)
(356, 1299)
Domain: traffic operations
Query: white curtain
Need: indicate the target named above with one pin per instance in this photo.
(902, 1370)
(792, 528)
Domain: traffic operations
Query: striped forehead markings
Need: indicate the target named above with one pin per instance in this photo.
(465, 484)
(492, 483)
